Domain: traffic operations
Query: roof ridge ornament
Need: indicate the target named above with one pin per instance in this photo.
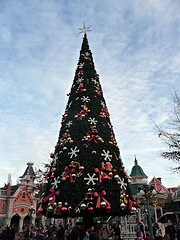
(84, 29)
(135, 160)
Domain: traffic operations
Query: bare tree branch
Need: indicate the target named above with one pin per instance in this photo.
(171, 137)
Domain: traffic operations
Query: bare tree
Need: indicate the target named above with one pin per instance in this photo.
(40, 179)
(171, 136)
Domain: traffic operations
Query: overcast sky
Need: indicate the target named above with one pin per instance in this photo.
(135, 46)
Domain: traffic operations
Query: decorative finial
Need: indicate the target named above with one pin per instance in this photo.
(135, 160)
(84, 29)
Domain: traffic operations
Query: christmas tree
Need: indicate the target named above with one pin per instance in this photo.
(86, 175)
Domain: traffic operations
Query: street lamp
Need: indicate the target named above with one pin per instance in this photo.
(148, 193)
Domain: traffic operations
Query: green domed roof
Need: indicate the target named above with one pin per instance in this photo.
(137, 171)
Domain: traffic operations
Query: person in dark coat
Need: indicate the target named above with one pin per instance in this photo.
(75, 234)
(12, 232)
(141, 228)
(178, 231)
(93, 236)
(60, 232)
(51, 235)
(3, 234)
(170, 230)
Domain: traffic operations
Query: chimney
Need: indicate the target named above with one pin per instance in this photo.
(9, 179)
(8, 190)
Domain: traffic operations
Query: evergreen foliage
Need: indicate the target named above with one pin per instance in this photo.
(86, 175)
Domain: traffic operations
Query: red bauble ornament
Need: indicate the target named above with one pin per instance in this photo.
(114, 171)
(52, 155)
(105, 178)
(66, 169)
(108, 208)
(91, 209)
(73, 170)
(67, 177)
(64, 209)
(40, 209)
(58, 209)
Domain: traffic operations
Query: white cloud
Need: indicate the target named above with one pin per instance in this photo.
(135, 50)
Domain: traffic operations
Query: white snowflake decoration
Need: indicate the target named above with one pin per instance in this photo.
(55, 183)
(81, 65)
(94, 81)
(107, 156)
(79, 174)
(87, 54)
(103, 104)
(85, 99)
(77, 210)
(73, 152)
(68, 124)
(90, 179)
(122, 183)
(80, 80)
(92, 121)
(55, 158)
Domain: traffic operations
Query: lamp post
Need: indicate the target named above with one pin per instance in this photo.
(148, 194)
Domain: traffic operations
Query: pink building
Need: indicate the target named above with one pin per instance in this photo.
(18, 202)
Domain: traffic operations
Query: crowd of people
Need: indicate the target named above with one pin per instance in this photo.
(77, 232)
(171, 231)
(97, 232)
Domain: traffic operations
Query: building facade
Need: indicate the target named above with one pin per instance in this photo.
(18, 202)
(165, 203)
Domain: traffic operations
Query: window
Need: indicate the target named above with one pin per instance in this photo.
(3, 208)
(23, 195)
